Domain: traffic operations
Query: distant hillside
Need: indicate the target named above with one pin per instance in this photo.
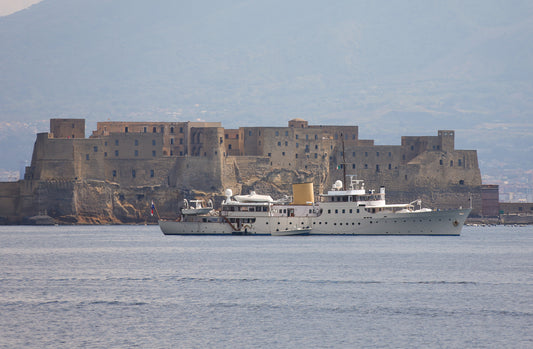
(394, 69)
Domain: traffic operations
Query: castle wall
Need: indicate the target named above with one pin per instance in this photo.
(52, 159)
(125, 162)
(9, 201)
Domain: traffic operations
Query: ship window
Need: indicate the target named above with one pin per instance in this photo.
(152, 173)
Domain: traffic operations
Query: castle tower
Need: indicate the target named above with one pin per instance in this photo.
(67, 128)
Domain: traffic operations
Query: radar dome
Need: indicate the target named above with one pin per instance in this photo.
(338, 184)
(228, 192)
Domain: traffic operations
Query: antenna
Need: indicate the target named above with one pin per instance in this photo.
(343, 163)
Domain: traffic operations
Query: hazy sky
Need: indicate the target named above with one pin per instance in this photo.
(7, 7)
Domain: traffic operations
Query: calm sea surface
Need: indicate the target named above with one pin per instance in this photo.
(130, 286)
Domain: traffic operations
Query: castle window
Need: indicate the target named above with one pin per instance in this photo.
(269, 155)
(286, 133)
(283, 153)
(316, 146)
(366, 166)
(181, 140)
(153, 153)
(366, 154)
(172, 141)
(229, 146)
(296, 145)
(353, 136)
(250, 133)
(181, 153)
(136, 152)
(286, 143)
(96, 150)
(377, 153)
(221, 141)
(459, 162)
(133, 173)
(171, 152)
(390, 154)
(277, 133)
(405, 177)
(116, 152)
(316, 137)
(172, 130)
(451, 163)
(296, 136)
(440, 161)
(353, 166)
(116, 141)
(86, 156)
(296, 156)
(153, 141)
(126, 129)
(336, 136)
(181, 129)
(105, 154)
(306, 137)
(353, 154)
(403, 157)
(377, 168)
(162, 129)
(144, 129)
(114, 173)
(390, 167)
(105, 143)
(136, 142)
(152, 174)
(462, 182)
(279, 144)
(154, 130)
(412, 147)
(316, 155)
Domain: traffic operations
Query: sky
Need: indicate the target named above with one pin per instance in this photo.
(8, 7)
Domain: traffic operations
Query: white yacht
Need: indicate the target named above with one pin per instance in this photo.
(341, 211)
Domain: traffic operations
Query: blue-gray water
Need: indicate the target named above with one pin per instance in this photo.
(130, 286)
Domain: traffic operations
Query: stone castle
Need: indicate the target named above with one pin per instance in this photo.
(115, 174)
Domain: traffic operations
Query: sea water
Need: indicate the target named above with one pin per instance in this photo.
(131, 286)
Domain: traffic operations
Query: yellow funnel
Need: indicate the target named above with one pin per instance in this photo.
(303, 194)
